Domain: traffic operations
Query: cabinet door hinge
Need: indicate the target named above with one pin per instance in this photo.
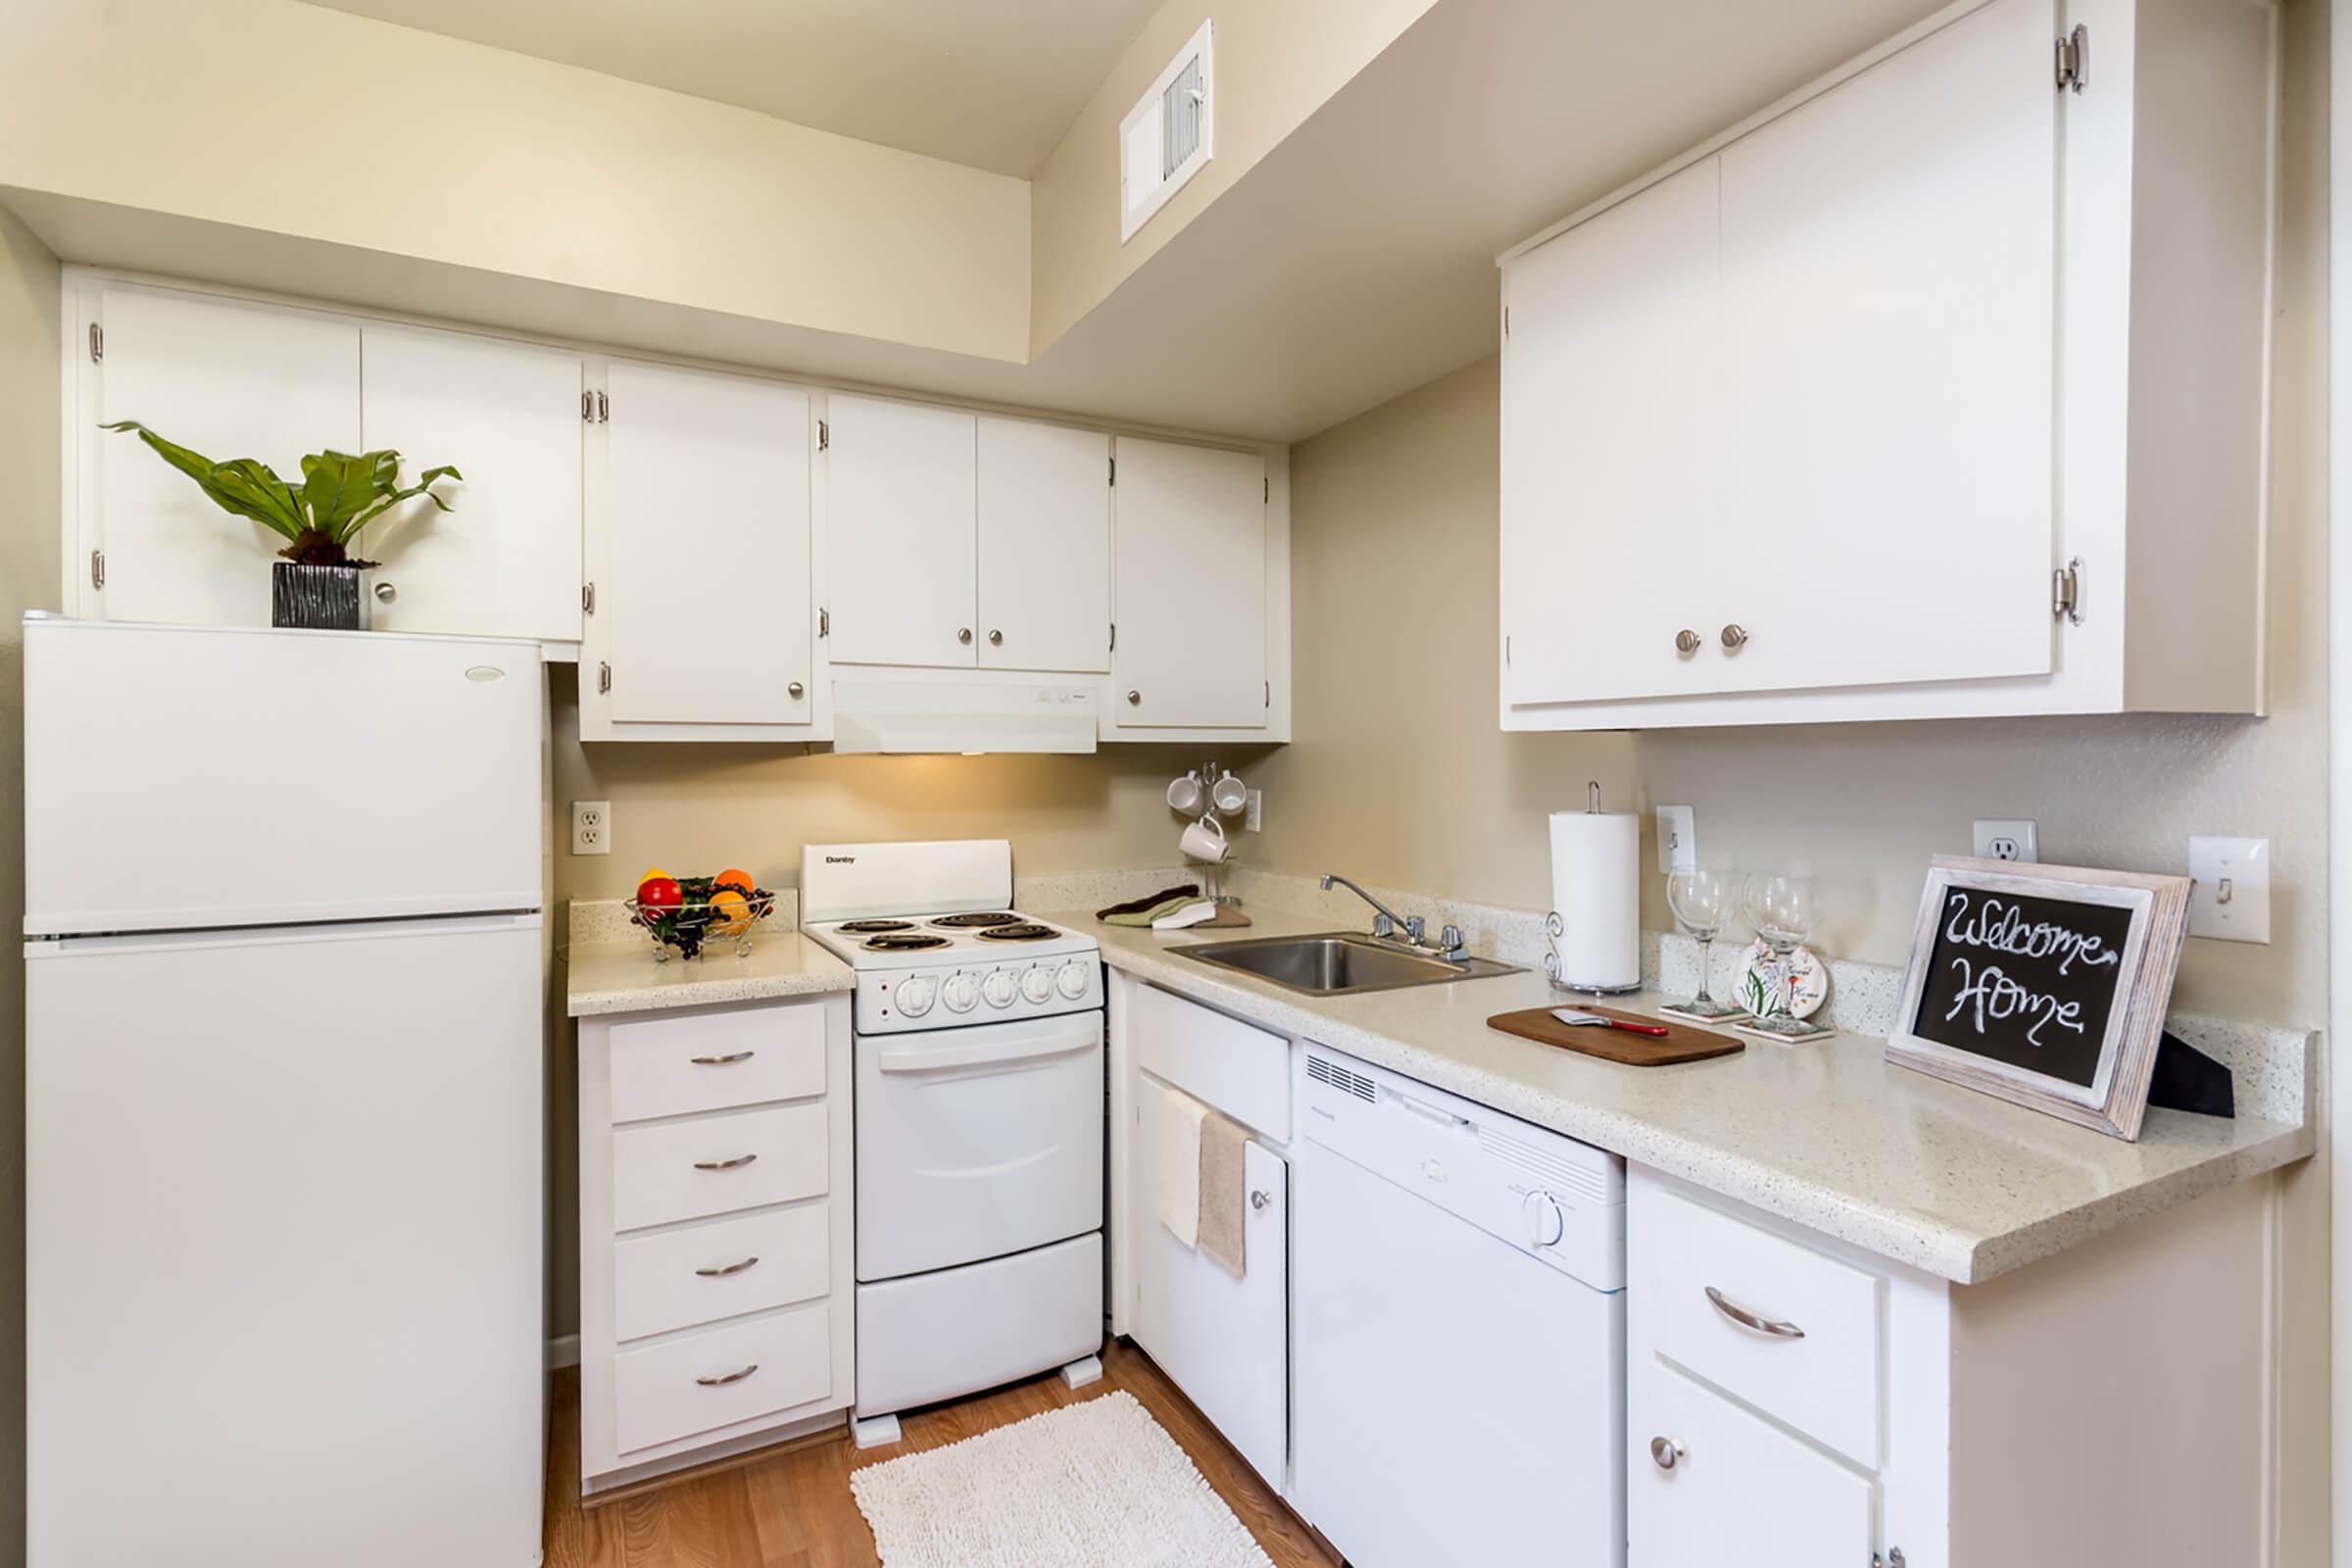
(1267, 490)
(2073, 59)
(824, 621)
(1507, 321)
(97, 344)
(603, 677)
(2066, 592)
(1269, 695)
(1114, 636)
(595, 408)
(587, 599)
(824, 435)
(1893, 1558)
(604, 409)
(1114, 473)
(98, 568)
(1506, 650)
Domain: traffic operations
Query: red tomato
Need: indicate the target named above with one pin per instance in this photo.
(659, 892)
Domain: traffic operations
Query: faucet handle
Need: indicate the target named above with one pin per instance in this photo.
(1451, 939)
(1383, 926)
(1414, 925)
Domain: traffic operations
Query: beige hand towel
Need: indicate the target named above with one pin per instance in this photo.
(1224, 1194)
(1180, 1164)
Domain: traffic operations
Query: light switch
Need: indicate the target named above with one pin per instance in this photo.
(1677, 839)
(2231, 901)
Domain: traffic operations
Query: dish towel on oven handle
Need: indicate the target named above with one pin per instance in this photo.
(1180, 1117)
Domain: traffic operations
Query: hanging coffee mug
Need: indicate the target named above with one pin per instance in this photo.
(1205, 840)
(1184, 794)
(1229, 793)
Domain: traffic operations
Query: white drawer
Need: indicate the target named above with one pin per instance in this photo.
(1241, 1070)
(725, 1268)
(723, 1375)
(672, 1066)
(1733, 1488)
(715, 1164)
(1817, 1369)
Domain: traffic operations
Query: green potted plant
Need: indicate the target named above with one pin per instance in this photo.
(317, 583)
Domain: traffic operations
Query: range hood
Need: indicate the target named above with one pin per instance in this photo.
(963, 715)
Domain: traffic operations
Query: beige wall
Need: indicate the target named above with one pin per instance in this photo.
(356, 132)
(1275, 66)
(29, 580)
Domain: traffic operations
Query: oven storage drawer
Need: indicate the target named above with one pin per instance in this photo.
(1224, 1342)
(1241, 1070)
(976, 1142)
(722, 1376)
(1810, 1357)
(715, 1164)
(723, 1268)
(680, 1063)
(947, 1333)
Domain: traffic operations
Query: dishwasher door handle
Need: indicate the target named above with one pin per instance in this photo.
(1437, 1113)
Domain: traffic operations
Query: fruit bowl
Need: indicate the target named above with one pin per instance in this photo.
(706, 913)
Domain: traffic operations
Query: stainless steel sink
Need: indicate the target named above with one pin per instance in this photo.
(1338, 963)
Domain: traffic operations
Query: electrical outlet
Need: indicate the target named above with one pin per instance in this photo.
(1256, 812)
(2007, 838)
(2231, 899)
(1677, 839)
(592, 827)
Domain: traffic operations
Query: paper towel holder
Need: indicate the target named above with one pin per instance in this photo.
(1554, 927)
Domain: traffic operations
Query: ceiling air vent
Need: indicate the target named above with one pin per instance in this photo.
(1166, 137)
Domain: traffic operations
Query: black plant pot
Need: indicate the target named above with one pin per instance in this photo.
(320, 597)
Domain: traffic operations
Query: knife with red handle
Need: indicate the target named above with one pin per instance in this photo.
(1570, 1015)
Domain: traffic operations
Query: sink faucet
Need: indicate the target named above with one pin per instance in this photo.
(1386, 922)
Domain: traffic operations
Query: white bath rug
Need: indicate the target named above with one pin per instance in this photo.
(1096, 1485)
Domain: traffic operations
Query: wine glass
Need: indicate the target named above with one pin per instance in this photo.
(1780, 906)
(1703, 903)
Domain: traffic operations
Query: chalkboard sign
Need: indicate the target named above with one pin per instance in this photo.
(2045, 985)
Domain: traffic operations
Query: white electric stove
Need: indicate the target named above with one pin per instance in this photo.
(979, 1117)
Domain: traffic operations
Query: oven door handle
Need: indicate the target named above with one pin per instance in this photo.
(979, 1052)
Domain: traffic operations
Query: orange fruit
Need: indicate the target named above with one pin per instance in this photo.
(730, 912)
(733, 878)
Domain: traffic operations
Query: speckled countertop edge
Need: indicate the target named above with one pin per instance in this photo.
(2186, 1156)
(603, 978)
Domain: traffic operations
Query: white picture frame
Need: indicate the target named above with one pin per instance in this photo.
(2115, 1101)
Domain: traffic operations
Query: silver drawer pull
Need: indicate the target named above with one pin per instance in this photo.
(728, 1061)
(724, 1164)
(725, 1378)
(1751, 1320)
(725, 1269)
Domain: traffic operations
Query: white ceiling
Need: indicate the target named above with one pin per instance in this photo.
(989, 84)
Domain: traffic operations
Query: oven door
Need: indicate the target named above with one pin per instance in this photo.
(977, 1142)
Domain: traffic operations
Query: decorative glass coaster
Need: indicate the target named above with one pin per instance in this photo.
(1785, 1029)
(1710, 1010)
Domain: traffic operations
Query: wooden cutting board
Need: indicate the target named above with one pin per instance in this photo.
(1681, 1042)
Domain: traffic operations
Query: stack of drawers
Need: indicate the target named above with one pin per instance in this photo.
(716, 1231)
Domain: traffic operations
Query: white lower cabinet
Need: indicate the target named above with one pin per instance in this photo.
(1225, 1341)
(716, 1240)
(1736, 1487)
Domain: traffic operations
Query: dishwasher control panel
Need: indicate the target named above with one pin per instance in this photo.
(1552, 1197)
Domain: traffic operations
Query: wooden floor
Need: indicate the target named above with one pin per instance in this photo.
(793, 1508)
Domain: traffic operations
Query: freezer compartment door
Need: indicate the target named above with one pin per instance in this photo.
(283, 1247)
(180, 778)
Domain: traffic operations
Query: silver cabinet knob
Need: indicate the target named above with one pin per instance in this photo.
(964, 636)
(1734, 637)
(1686, 641)
(385, 593)
(1665, 1452)
(1135, 699)
(796, 689)
(1260, 1199)
(996, 639)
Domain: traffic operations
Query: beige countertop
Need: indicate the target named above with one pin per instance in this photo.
(1830, 1136)
(622, 976)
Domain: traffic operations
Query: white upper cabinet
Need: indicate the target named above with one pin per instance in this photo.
(1815, 424)
(700, 544)
(224, 379)
(1045, 547)
(506, 560)
(1189, 587)
(900, 533)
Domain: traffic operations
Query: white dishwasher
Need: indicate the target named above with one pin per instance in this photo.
(1459, 1341)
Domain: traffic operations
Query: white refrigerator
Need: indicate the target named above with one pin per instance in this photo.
(284, 1097)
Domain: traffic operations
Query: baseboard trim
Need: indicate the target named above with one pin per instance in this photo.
(562, 1351)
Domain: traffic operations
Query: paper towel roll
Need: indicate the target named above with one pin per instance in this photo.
(1596, 892)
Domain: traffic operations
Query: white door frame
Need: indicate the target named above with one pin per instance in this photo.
(2339, 772)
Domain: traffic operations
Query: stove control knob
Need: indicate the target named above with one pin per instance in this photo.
(1075, 978)
(915, 993)
(1545, 1224)
(1037, 983)
(1000, 988)
(960, 992)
